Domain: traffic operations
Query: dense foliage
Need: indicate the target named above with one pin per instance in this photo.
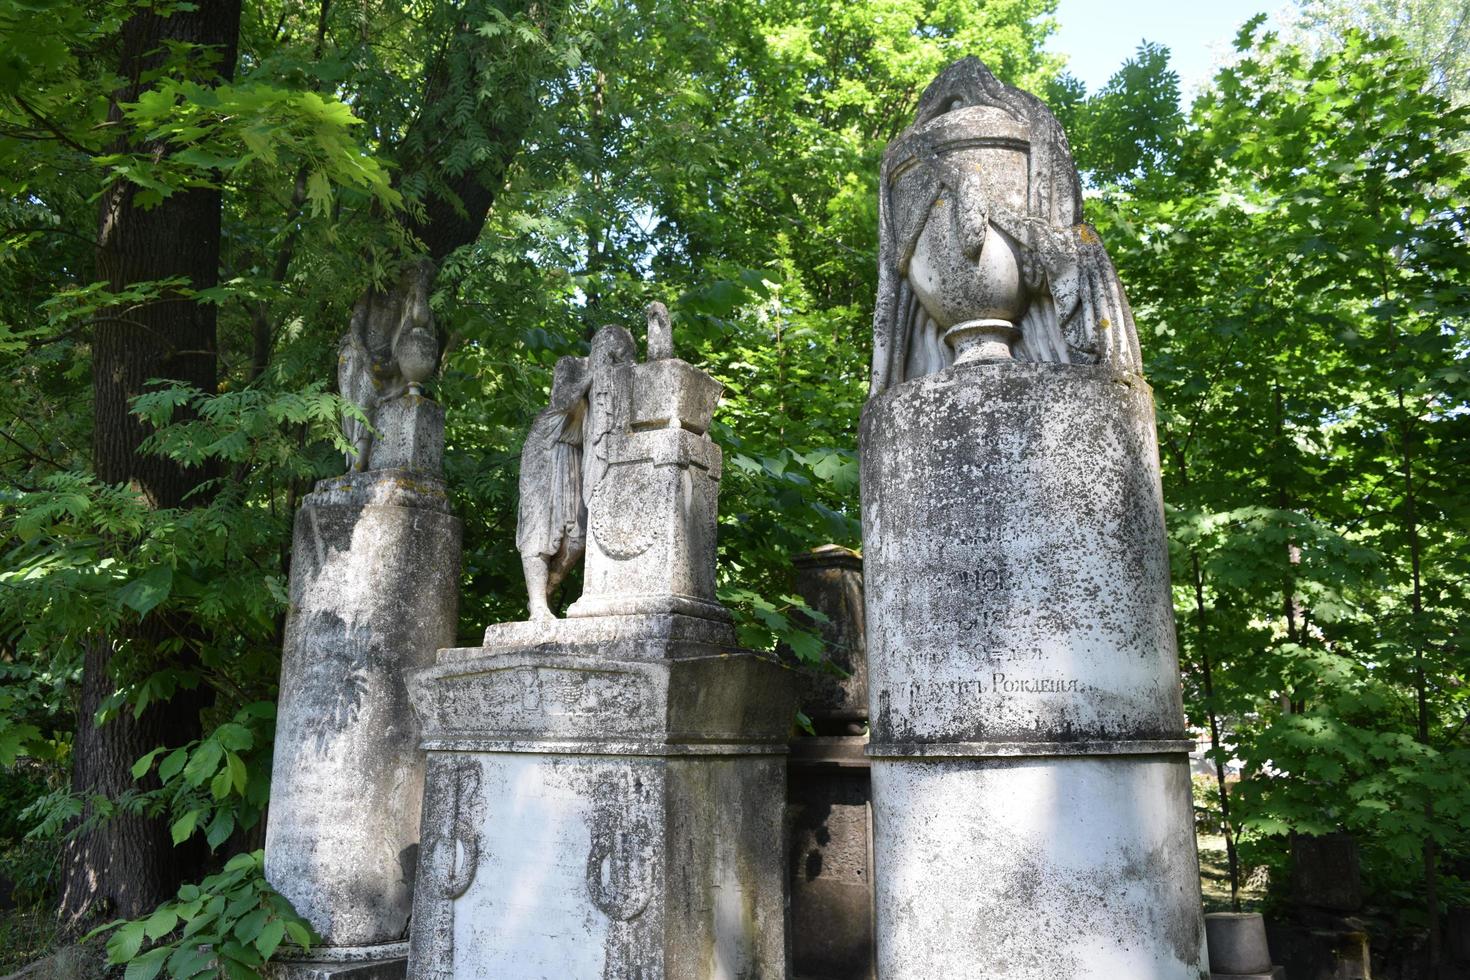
(1294, 245)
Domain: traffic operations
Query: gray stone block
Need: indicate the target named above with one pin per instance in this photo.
(830, 580)
(651, 527)
(1017, 571)
(410, 435)
(1237, 943)
(387, 961)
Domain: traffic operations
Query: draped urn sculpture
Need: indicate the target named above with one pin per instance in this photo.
(1031, 803)
(983, 254)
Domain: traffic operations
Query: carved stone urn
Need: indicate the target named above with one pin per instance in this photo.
(417, 352)
(981, 155)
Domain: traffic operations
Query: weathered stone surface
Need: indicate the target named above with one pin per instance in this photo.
(830, 580)
(601, 866)
(1017, 568)
(831, 864)
(1034, 869)
(615, 637)
(374, 589)
(384, 961)
(383, 970)
(1237, 942)
(410, 436)
(586, 817)
(673, 394)
(651, 524)
(666, 703)
(982, 250)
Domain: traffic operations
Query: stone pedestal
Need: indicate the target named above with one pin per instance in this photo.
(828, 788)
(410, 435)
(603, 801)
(829, 796)
(1031, 792)
(374, 589)
(1238, 949)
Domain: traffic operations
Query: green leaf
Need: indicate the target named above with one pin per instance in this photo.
(147, 966)
(161, 923)
(270, 938)
(125, 943)
(249, 925)
(141, 767)
(203, 763)
(146, 591)
(172, 764)
(183, 827)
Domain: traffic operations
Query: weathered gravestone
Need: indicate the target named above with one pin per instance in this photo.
(604, 795)
(373, 592)
(1031, 792)
(828, 787)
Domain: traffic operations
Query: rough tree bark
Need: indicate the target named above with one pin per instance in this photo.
(127, 865)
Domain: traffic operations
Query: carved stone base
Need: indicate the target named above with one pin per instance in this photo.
(382, 961)
(594, 817)
(366, 970)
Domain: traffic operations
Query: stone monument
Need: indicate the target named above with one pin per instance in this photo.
(828, 789)
(604, 791)
(373, 593)
(1031, 792)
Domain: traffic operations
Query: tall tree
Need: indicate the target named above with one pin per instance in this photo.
(172, 246)
(1304, 271)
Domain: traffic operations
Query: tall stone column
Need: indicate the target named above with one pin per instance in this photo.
(604, 798)
(373, 594)
(1031, 791)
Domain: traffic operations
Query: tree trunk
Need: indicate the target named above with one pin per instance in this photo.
(127, 865)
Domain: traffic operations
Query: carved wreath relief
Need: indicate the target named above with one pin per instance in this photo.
(452, 854)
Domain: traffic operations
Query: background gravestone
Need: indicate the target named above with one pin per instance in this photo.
(374, 592)
(829, 789)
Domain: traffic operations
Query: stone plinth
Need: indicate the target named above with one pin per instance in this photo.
(604, 799)
(829, 796)
(374, 588)
(1031, 793)
(1237, 942)
(387, 961)
(410, 435)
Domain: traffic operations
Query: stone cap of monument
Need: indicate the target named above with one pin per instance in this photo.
(642, 636)
(382, 488)
(673, 394)
(560, 697)
(828, 556)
